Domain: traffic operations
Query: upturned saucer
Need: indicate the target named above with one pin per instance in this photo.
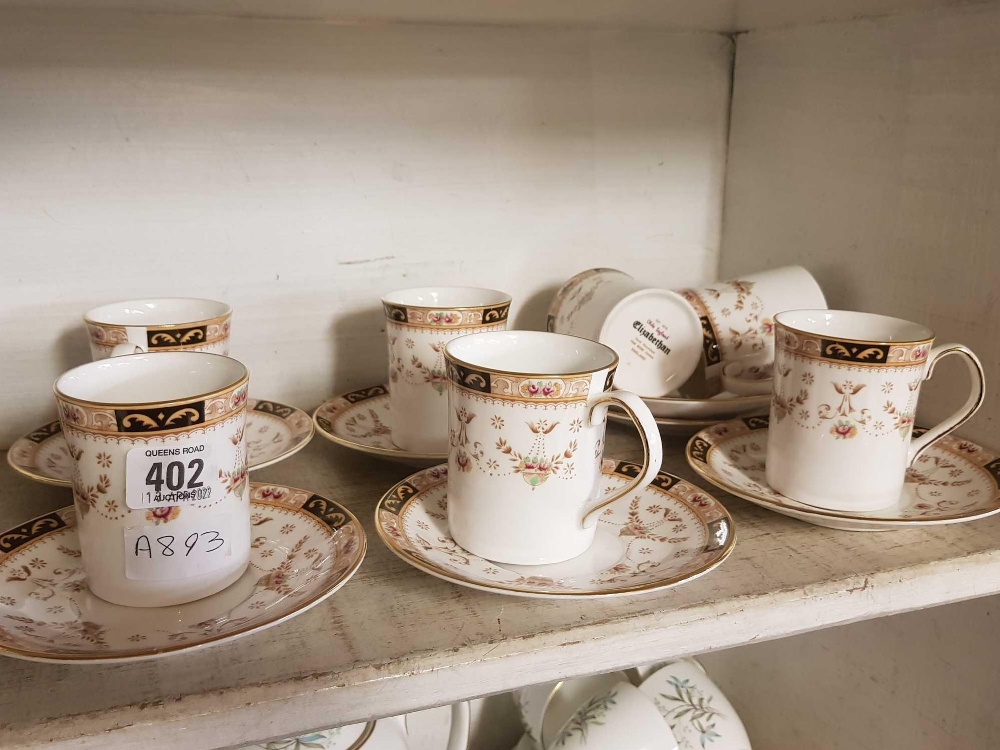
(305, 548)
(274, 432)
(360, 420)
(954, 480)
(669, 533)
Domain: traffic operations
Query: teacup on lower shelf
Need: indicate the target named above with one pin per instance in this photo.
(623, 718)
(697, 711)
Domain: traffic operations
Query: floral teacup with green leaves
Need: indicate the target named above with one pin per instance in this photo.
(623, 718)
(699, 714)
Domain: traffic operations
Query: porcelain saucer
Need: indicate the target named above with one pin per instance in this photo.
(708, 409)
(954, 480)
(667, 534)
(305, 548)
(360, 420)
(274, 432)
(684, 427)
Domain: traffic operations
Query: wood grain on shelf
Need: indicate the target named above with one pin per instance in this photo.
(706, 15)
(395, 639)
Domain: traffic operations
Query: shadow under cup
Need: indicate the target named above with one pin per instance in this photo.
(160, 481)
(526, 441)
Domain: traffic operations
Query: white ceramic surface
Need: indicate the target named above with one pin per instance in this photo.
(696, 709)
(654, 331)
(116, 414)
(273, 433)
(158, 324)
(361, 420)
(527, 435)
(719, 407)
(567, 698)
(664, 535)
(416, 731)
(623, 718)
(419, 323)
(737, 316)
(846, 386)
(532, 702)
(749, 376)
(305, 547)
(953, 481)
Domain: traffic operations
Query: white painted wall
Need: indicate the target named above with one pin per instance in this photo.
(870, 153)
(920, 681)
(298, 170)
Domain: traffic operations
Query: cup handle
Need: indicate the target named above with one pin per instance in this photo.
(121, 349)
(135, 344)
(458, 738)
(652, 447)
(975, 400)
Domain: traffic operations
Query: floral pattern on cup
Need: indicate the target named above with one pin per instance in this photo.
(304, 548)
(699, 714)
(592, 713)
(273, 432)
(210, 336)
(954, 477)
(535, 462)
(668, 532)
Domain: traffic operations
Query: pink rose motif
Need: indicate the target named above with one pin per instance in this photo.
(463, 462)
(843, 430)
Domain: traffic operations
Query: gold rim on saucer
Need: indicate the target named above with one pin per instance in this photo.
(306, 546)
(968, 490)
(701, 535)
(42, 454)
(360, 420)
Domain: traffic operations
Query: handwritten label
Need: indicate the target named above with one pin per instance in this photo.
(181, 473)
(179, 548)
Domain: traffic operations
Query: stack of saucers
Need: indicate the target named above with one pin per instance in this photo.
(696, 356)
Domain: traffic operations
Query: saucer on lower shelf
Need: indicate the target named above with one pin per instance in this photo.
(274, 432)
(954, 480)
(360, 420)
(667, 534)
(305, 548)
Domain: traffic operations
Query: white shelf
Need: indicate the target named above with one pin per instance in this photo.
(704, 15)
(394, 640)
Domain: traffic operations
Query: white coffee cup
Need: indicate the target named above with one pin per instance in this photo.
(161, 324)
(527, 415)
(545, 708)
(160, 474)
(737, 316)
(846, 386)
(623, 718)
(698, 712)
(655, 332)
(419, 323)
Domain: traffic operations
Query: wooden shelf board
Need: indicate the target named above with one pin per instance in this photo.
(395, 640)
(702, 15)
